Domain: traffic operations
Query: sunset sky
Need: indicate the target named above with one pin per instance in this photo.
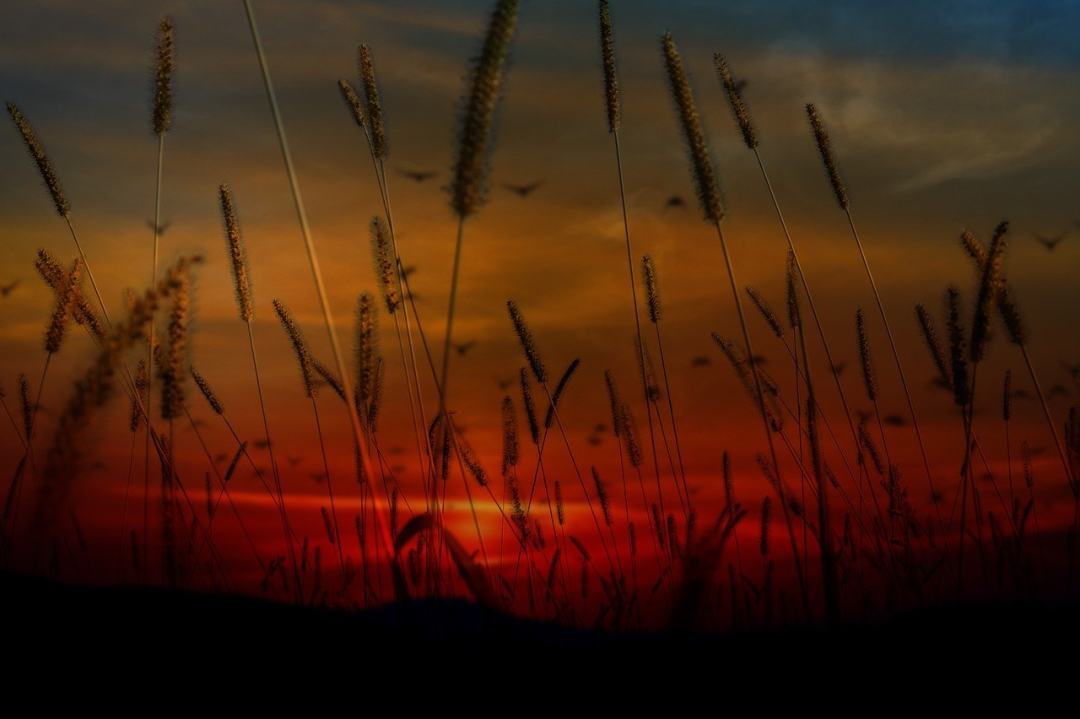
(945, 115)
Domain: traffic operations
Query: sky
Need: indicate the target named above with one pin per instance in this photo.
(944, 116)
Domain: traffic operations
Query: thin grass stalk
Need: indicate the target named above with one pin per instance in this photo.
(224, 492)
(637, 317)
(309, 245)
(841, 195)
(330, 494)
(709, 196)
(655, 318)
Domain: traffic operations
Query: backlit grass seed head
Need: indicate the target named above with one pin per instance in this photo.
(792, 292)
(207, 391)
(560, 387)
(530, 408)
(766, 513)
(652, 289)
(528, 344)
(163, 76)
(171, 365)
(366, 347)
(607, 58)
(702, 170)
(824, 145)
(739, 108)
(469, 174)
(957, 347)
(237, 255)
(374, 105)
(26, 405)
(766, 311)
(613, 403)
(865, 359)
(382, 253)
(933, 343)
(41, 158)
(1015, 326)
(352, 102)
(560, 509)
(55, 277)
(973, 248)
(65, 304)
(510, 436)
(602, 496)
(989, 287)
(296, 339)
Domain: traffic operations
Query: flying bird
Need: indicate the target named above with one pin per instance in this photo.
(523, 190)
(1057, 390)
(464, 347)
(675, 202)
(7, 289)
(418, 176)
(700, 361)
(894, 420)
(1050, 243)
(161, 229)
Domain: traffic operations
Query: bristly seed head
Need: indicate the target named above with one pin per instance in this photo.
(530, 408)
(469, 175)
(352, 101)
(510, 436)
(739, 108)
(937, 352)
(766, 311)
(296, 338)
(367, 351)
(705, 181)
(528, 344)
(652, 289)
(163, 73)
(869, 378)
(237, 255)
(171, 365)
(207, 392)
(989, 288)
(41, 158)
(957, 347)
(382, 253)
(821, 136)
(374, 105)
(607, 57)
(790, 277)
(65, 307)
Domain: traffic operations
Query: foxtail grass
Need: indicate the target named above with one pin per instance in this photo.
(707, 186)
(824, 144)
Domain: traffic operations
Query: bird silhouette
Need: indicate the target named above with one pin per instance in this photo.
(418, 176)
(7, 289)
(523, 190)
(161, 229)
(894, 420)
(1057, 390)
(464, 347)
(700, 361)
(675, 202)
(1050, 243)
